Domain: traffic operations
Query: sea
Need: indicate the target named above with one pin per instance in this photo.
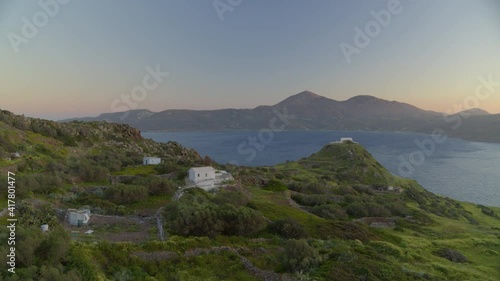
(459, 169)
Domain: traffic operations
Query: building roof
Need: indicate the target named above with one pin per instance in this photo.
(79, 211)
(147, 158)
(202, 169)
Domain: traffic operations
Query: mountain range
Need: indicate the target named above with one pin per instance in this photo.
(309, 111)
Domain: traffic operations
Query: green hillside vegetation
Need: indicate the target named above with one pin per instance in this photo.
(336, 215)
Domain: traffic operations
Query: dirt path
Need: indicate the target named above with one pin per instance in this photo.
(159, 224)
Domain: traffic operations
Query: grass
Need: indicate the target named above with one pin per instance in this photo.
(152, 202)
(136, 171)
(275, 206)
(481, 245)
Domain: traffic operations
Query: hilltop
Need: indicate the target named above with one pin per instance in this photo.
(309, 111)
(335, 215)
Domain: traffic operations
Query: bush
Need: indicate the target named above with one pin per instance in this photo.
(122, 193)
(357, 210)
(275, 185)
(364, 189)
(312, 199)
(92, 173)
(309, 188)
(288, 228)
(487, 211)
(231, 197)
(451, 255)
(361, 209)
(330, 211)
(155, 185)
(195, 214)
(386, 248)
(300, 256)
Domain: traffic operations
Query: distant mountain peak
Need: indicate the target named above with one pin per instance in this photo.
(305, 97)
(307, 93)
(364, 99)
(474, 112)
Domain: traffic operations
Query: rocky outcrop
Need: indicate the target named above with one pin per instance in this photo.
(101, 135)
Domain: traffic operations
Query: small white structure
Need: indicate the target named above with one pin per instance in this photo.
(206, 178)
(151, 160)
(78, 217)
(45, 227)
(201, 174)
(344, 140)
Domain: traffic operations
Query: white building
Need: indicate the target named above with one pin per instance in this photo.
(344, 140)
(78, 217)
(151, 160)
(200, 174)
(44, 227)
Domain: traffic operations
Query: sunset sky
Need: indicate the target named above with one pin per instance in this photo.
(90, 53)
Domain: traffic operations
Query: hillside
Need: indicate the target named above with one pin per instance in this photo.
(309, 111)
(335, 215)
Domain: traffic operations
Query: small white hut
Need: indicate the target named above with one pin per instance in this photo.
(78, 217)
(44, 227)
(200, 174)
(344, 140)
(151, 160)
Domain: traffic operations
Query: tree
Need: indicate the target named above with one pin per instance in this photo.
(207, 161)
(53, 249)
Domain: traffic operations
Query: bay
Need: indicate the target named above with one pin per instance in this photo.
(463, 170)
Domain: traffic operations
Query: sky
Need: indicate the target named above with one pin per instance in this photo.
(76, 58)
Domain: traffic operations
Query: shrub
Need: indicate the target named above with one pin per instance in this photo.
(195, 214)
(330, 211)
(487, 211)
(300, 256)
(275, 185)
(309, 188)
(231, 197)
(288, 228)
(92, 173)
(386, 248)
(311, 199)
(122, 193)
(363, 189)
(376, 210)
(357, 210)
(361, 209)
(451, 255)
(155, 185)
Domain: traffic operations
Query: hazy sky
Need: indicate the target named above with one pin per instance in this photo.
(85, 55)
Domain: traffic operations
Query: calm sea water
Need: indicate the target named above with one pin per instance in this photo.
(463, 170)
